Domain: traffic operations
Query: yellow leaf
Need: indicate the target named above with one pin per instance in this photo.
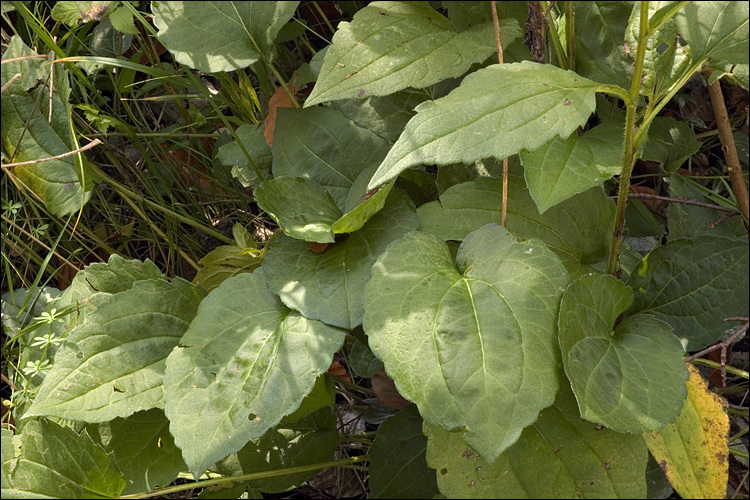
(693, 451)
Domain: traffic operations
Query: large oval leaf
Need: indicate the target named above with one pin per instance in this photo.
(328, 286)
(245, 362)
(577, 228)
(112, 365)
(693, 284)
(632, 379)
(390, 46)
(492, 114)
(471, 342)
(559, 456)
(220, 36)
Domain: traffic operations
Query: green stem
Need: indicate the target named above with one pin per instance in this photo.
(570, 35)
(737, 436)
(717, 366)
(631, 146)
(250, 477)
(559, 51)
(643, 129)
(616, 91)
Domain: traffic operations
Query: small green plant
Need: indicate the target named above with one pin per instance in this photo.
(441, 216)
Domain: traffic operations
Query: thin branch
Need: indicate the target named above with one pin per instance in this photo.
(10, 82)
(499, 41)
(21, 58)
(724, 346)
(724, 217)
(730, 149)
(649, 196)
(88, 146)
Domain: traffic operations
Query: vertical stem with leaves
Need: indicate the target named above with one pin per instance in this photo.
(631, 145)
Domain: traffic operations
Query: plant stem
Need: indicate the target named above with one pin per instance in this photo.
(631, 146)
(570, 35)
(559, 51)
(499, 42)
(730, 150)
(714, 364)
(250, 477)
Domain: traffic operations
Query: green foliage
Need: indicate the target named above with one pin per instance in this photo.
(493, 345)
(561, 456)
(535, 343)
(245, 362)
(221, 36)
(27, 134)
(390, 46)
(631, 379)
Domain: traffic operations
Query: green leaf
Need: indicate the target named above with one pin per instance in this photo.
(600, 35)
(224, 262)
(8, 455)
(31, 69)
(302, 208)
(221, 36)
(106, 279)
(693, 284)
(632, 379)
(559, 456)
(398, 468)
(457, 173)
(490, 114)
(28, 135)
(471, 342)
(143, 449)
(670, 142)
(563, 168)
(328, 286)
(98, 281)
(55, 462)
(386, 115)
(362, 361)
(112, 365)
(122, 20)
(322, 394)
(322, 145)
(245, 362)
(306, 441)
(577, 228)
(665, 59)
(252, 138)
(390, 46)
(717, 30)
(688, 221)
(74, 13)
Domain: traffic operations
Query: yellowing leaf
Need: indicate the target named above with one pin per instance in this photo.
(693, 451)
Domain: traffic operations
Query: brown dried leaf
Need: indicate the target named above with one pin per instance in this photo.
(279, 99)
(385, 390)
